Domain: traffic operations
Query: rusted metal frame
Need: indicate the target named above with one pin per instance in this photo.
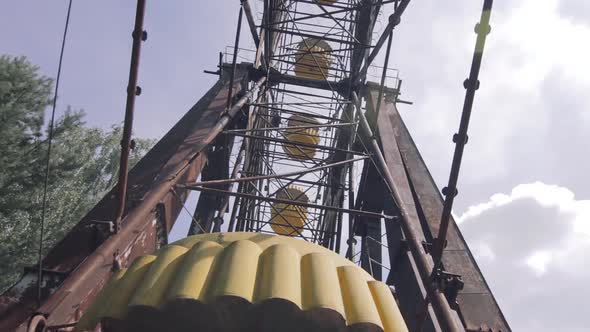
(235, 56)
(281, 175)
(284, 137)
(93, 267)
(297, 94)
(286, 201)
(323, 37)
(365, 22)
(383, 76)
(291, 128)
(335, 195)
(424, 263)
(309, 35)
(289, 196)
(350, 239)
(335, 86)
(310, 27)
(457, 257)
(17, 303)
(253, 160)
(238, 202)
(332, 5)
(194, 220)
(251, 22)
(266, 19)
(262, 80)
(394, 20)
(310, 16)
(290, 111)
(217, 167)
(305, 41)
(271, 139)
(234, 174)
(336, 21)
(133, 90)
(254, 205)
(304, 103)
(372, 251)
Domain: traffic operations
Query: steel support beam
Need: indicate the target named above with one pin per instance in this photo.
(475, 302)
(133, 90)
(398, 188)
(88, 253)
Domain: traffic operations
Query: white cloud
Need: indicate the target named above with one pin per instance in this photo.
(533, 245)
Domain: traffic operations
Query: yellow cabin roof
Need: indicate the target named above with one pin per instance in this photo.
(251, 280)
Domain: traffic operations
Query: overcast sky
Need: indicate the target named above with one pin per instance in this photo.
(524, 194)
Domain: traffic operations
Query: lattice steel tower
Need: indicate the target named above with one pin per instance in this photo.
(296, 142)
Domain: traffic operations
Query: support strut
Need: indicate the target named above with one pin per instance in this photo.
(133, 90)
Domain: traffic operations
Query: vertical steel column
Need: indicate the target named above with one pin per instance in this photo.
(133, 90)
(460, 139)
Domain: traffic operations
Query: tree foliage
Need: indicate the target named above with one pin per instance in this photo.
(83, 166)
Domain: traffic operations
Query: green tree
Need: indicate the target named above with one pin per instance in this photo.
(83, 166)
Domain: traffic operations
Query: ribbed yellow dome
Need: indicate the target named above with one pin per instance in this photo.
(309, 136)
(246, 282)
(313, 59)
(289, 219)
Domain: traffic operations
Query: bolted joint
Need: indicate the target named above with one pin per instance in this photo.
(139, 34)
(351, 241)
(218, 221)
(446, 191)
(427, 246)
(479, 29)
(395, 19)
(460, 139)
(137, 90)
(444, 245)
(469, 84)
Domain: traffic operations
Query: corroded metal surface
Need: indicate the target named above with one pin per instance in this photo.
(475, 302)
(85, 256)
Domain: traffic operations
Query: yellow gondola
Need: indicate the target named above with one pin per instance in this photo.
(289, 219)
(313, 59)
(307, 136)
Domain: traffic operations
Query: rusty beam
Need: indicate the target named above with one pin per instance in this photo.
(475, 302)
(133, 90)
(87, 254)
(397, 186)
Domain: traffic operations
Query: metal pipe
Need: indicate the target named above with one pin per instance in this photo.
(235, 58)
(293, 143)
(471, 84)
(382, 86)
(251, 21)
(234, 173)
(424, 264)
(133, 90)
(287, 201)
(394, 20)
(264, 177)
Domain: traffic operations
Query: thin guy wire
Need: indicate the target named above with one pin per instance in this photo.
(50, 139)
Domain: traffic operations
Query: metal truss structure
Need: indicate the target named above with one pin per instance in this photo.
(298, 143)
